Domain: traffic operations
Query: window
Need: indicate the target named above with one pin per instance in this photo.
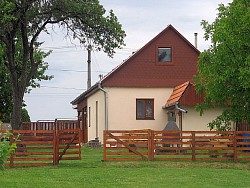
(144, 108)
(164, 55)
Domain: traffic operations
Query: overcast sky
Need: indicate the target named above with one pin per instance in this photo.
(142, 20)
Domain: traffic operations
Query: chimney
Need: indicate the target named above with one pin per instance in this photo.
(195, 39)
(100, 76)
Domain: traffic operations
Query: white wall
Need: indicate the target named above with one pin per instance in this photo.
(96, 121)
(122, 109)
(193, 121)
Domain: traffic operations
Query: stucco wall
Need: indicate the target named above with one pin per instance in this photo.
(122, 109)
(96, 116)
(193, 121)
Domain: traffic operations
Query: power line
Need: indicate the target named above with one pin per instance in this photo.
(69, 70)
(53, 93)
(54, 87)
(57, 96)
(58, 47)
(77, 46)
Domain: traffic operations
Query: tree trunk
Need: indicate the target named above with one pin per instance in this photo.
(16, 116)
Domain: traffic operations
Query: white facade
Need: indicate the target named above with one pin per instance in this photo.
(192, 121)
(121, 111)
(121, 107)
(96, 115)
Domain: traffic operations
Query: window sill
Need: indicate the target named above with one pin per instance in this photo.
(165, 63)
(145, 119)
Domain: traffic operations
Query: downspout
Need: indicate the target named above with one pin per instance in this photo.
(180, 109)
(105, 105)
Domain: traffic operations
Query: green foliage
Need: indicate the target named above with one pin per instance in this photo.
(221, 123)
(23, 21)
(25, 115)
(5, 147)
(6, 101)
(224, 68)
(5, 93)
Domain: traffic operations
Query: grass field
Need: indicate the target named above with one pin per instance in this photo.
(92, 172)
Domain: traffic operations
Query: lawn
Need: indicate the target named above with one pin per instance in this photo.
(92, 172)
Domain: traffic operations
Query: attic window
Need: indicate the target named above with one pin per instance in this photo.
(164, 55)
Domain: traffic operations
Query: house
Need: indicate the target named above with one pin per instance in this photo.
(143, 90)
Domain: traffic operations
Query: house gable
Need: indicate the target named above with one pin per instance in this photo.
(143, 70)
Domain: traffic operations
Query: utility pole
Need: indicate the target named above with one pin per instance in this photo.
(89, 48)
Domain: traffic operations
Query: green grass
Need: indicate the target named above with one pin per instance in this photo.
(92, 172)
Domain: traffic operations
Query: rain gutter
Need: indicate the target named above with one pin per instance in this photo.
(105, 105)
(180, 109)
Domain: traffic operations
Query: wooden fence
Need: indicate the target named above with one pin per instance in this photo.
(51, 125)
(44, 147)
(176, 145)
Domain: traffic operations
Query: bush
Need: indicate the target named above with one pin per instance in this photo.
(5, 147)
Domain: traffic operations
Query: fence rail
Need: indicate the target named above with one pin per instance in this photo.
(51, 125)
(176, 145)
(44, 147)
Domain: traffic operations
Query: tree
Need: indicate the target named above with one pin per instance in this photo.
(224, 68)
(81, 19)
(5, 93)
(6, 102)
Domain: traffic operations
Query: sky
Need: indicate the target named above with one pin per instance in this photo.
(142, 20)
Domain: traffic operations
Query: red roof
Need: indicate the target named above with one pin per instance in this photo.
(143, 70)
(177, 93)
(185, 95)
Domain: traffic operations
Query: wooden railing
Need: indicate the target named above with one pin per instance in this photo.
(44, 147)
(51, 125)
(176, 145)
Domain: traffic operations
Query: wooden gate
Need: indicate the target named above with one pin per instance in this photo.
(126, 145)
(44, 147)
(69, 145)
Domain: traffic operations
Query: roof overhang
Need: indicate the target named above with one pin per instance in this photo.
(85, 94)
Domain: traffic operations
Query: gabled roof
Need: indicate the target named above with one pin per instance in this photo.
(141, 69)
(185, 95)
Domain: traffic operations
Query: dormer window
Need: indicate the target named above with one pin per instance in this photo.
(164, 55)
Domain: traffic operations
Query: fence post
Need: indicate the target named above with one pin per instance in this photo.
(80, 142)
(235, 145)
(55, 147)
(153, 144)
(150, 144)
(193, 145)
(12, 154)
(104, 145)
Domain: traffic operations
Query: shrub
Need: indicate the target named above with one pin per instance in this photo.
(5, 147)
